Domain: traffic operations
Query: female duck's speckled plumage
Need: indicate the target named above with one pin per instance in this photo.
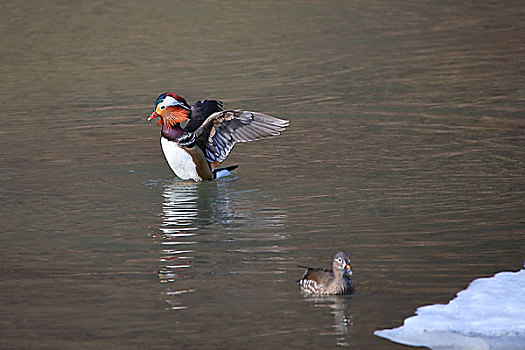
(329, 282)
(196, 148)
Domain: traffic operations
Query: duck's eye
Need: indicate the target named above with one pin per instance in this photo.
(339, 260)
(162, 107)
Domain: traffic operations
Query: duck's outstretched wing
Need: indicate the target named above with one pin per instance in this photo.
(222, 130)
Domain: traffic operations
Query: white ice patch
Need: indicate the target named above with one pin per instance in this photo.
(489, 314)
(179, 160)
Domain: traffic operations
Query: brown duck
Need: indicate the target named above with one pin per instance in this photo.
(329, 282)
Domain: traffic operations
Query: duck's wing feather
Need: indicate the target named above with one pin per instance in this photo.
(320, 276)
(200, 111)
(222, 130)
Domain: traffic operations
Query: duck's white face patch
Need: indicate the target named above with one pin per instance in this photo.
(168, 101)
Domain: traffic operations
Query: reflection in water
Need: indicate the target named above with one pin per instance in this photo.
(339, 306)
(238, 228)
(178, 228)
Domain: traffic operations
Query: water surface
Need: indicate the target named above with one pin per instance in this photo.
(405, 149)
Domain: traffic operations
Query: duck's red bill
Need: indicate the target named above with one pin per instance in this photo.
(153, 116)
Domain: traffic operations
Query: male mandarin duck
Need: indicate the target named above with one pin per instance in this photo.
(329, 282)
(196, 140)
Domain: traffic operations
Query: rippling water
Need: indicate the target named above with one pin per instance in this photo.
(405, 149)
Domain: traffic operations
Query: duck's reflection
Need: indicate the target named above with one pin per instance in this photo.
(340, 308)
(212, 222)
(180, 213)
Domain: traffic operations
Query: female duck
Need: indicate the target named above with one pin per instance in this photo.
(326, 282)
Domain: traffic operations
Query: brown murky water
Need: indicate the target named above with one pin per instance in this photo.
(406, 149)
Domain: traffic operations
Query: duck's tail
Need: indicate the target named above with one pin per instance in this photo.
(222, 172)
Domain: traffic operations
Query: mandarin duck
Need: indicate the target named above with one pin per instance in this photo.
(329, 282)
(196, 140)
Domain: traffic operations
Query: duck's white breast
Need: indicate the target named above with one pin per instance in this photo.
(179, 160)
